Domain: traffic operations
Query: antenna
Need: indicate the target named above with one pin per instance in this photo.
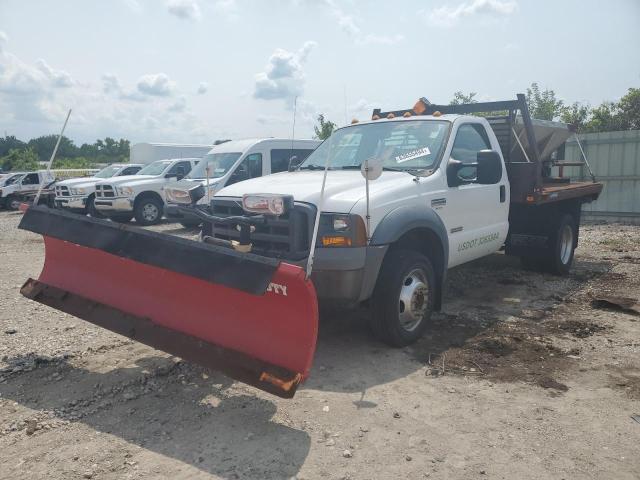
(293, 130)
(53, 155)
(344, 91)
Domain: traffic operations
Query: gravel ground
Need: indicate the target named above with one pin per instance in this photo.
(522, 376)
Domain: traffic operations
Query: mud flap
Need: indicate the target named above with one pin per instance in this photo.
(253, 318)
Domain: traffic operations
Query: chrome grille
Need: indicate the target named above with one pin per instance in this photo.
(62, 191)
(104, 191)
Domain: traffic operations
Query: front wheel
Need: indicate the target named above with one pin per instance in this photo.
(148, 211)
(403, 298)
(13, 203)
(91, 207)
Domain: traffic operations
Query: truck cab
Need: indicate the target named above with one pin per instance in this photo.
(23, 184)
(78, 194)
(233, 162)
(140, 195)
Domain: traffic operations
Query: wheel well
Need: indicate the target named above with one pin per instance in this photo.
(145, 195)
(428, 243)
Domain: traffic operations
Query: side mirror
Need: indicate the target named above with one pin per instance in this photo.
(453, 168)
(293, 163)
(489, 167)
(181, 173)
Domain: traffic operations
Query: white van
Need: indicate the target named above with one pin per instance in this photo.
(233, 162)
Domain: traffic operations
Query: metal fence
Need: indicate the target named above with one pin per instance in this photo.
(615, 160)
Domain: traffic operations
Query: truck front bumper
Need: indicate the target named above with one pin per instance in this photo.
(113, 205)
(71, 203)
(346, 276)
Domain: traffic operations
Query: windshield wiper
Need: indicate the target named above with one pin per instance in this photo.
(312, 167)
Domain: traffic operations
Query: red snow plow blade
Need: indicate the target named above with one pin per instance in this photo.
(253, 318)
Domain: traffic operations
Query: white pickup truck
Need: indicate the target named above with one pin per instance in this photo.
(78, 194)
(140, 195)
(233, 162)
(20, 184)
(452, 188)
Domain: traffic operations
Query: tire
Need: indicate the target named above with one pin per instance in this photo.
(122, 218)
(406, 277)
(91, 208)
(148, 211)
(12, 203)
(562, 246)
(190, 223)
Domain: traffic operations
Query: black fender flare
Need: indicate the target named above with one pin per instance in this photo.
(410, 217)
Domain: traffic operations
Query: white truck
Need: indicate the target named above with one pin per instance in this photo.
(453, 187)
(140, 195)
(22, 184)
(78, 194)
(233, 162)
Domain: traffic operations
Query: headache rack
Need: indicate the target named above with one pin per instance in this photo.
(530, 148)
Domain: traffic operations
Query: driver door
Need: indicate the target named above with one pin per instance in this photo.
(477, 215)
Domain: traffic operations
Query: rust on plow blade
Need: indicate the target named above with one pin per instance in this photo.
(252, 318)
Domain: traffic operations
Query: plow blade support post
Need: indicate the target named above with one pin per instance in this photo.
(253, 318)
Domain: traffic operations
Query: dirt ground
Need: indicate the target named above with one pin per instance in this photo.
(523, 376)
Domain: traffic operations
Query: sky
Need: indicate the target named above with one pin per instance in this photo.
(193, 71)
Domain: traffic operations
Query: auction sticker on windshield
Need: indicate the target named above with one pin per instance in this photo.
(420, 152)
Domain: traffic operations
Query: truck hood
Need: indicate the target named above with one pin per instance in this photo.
(78, 182)
(131, 180)
(342, 191)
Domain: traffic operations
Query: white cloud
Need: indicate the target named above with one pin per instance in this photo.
(184, 9)
(180, 105)
(202, 88)
(157, 84)
(350, 26)
(447, 16)
(228, 8)
(284, 76)
(133, 5)
(58, 78)
(3, 40)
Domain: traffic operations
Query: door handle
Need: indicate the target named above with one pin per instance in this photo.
(503, 194)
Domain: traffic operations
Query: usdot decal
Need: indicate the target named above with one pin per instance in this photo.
(476, 242)
(277, 289)
(405, 157)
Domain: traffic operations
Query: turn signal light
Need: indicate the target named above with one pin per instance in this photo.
(336, 241)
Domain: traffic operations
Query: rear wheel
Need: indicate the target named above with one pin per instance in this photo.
(403, 298)
(13, 203)
(148, 211)
(562, 246)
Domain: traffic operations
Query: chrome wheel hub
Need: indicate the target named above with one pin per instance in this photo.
(414, 299)
(150, 212)
(566, 244)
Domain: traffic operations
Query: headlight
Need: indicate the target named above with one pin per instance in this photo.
(266, 203)
(183, 196)
(342, 230)
(178, 195)
(77, 191)
(128, 191)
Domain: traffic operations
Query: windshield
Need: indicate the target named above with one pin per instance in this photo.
(12, 179)
(107, 172)
(403, 146)
(155, 168)
(218, 164)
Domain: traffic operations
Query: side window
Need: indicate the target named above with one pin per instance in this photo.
(31, 179)
(251, 167)
(186, 168)
(130, 171)
(282, 157)
(470, 139)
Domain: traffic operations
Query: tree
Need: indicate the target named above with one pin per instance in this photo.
(605, 118)
(325, 129)
(20, 160)
(543, 104)
(44, 145)
(459, 98)
(9, 142)
(629, 107)
(577, 115)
